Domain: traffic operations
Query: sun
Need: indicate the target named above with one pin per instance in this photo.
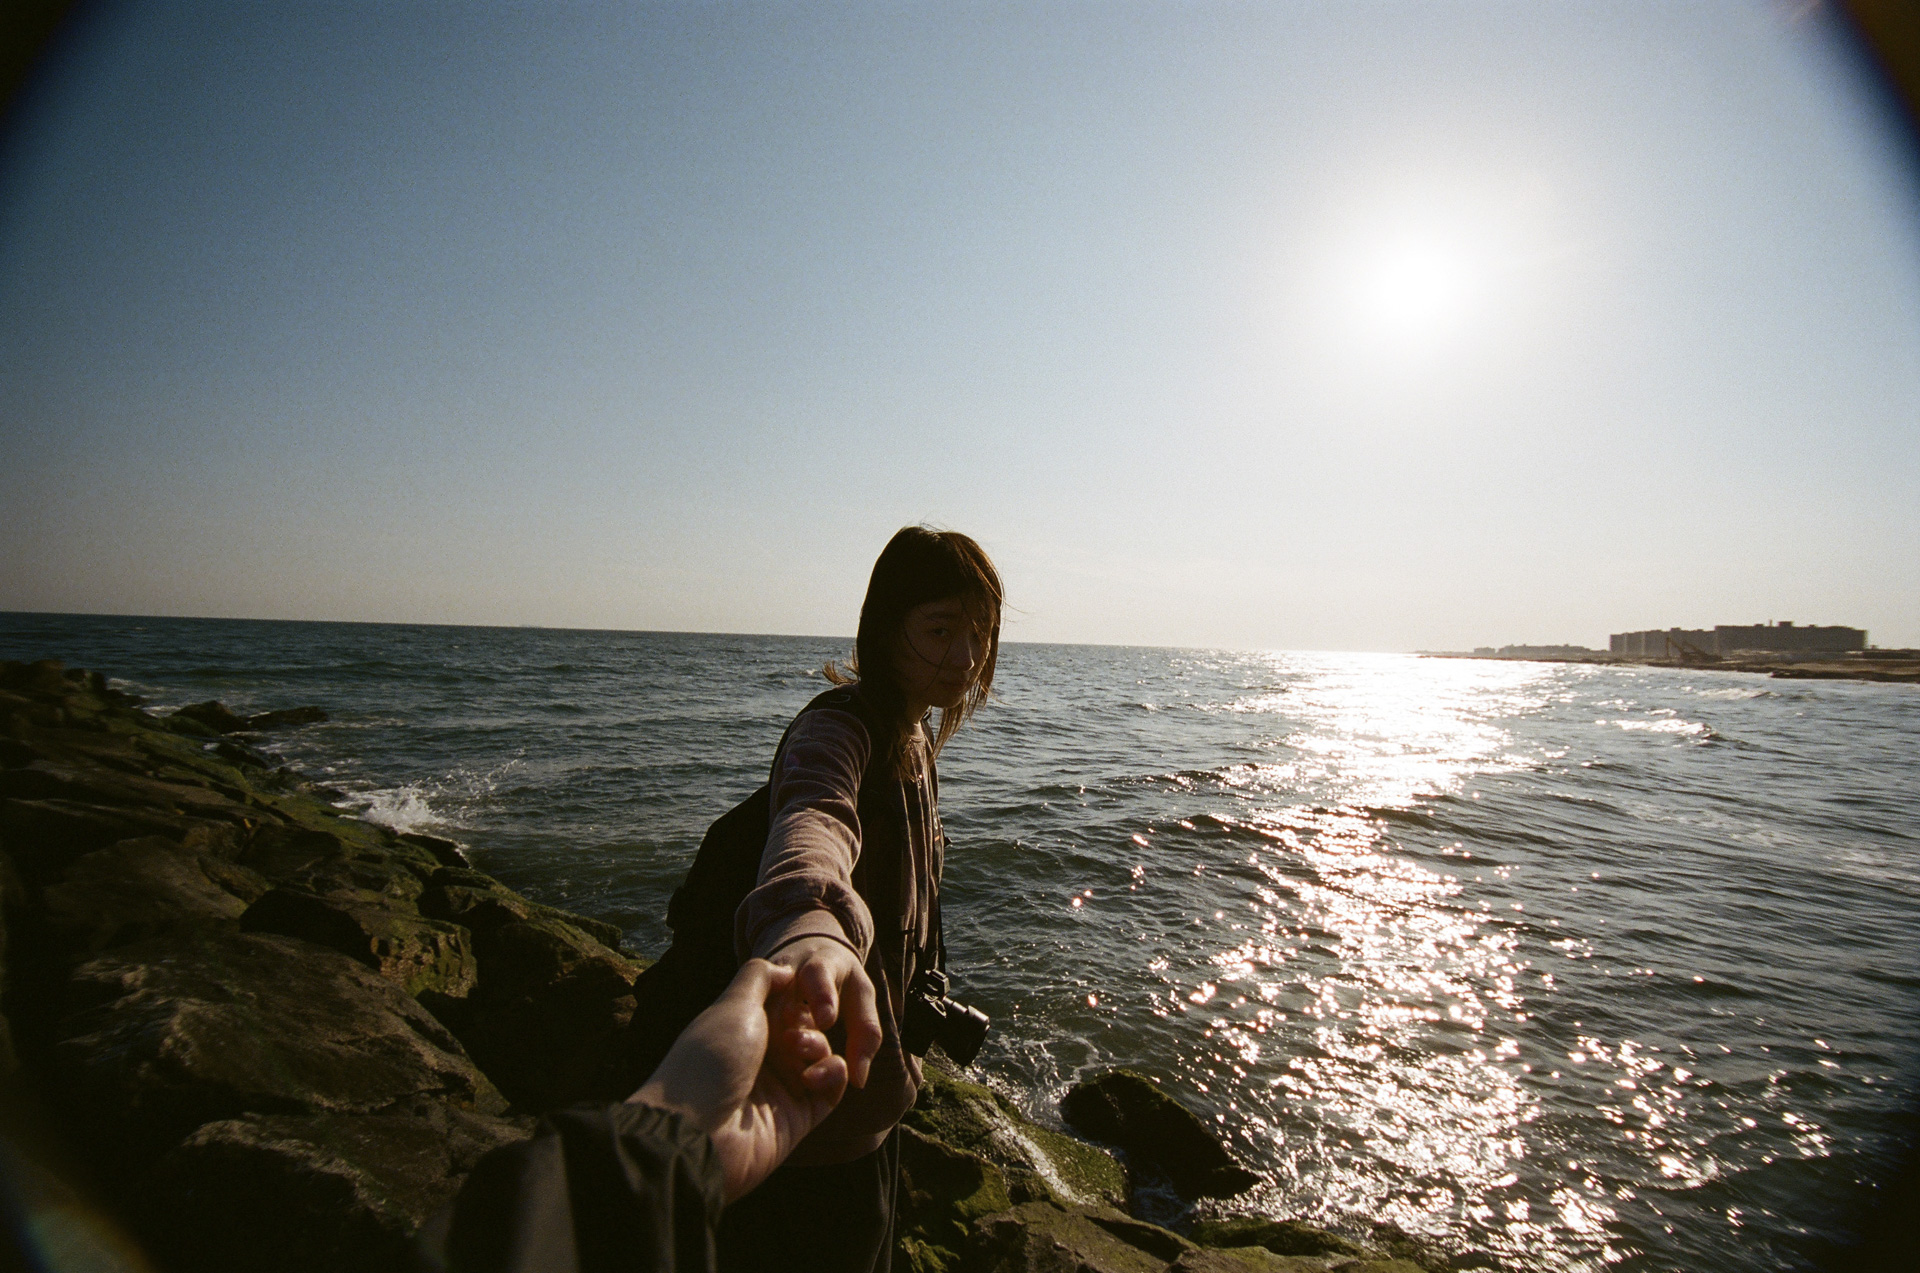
(1417, 289)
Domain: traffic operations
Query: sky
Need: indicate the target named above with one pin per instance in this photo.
(1368, 326)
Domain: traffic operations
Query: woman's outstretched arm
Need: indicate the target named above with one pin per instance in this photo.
(805, 913)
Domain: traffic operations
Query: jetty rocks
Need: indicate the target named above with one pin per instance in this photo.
(245, 1031)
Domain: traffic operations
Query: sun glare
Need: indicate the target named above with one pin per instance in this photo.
(1418, 289)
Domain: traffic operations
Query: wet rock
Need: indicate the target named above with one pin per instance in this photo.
(1158, 1134)
(424, 957)
(211, 717)
(285, 717)
(165, 1035)
(328, 1193)
(1417, 1251)
(943, 1190)
(445, 852)
(1040, 1160)
(1043, 1237)
(139, 888)
(1282, 1237)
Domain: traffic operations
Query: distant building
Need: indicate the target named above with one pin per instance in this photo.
(1541, 652)
(1758, 638)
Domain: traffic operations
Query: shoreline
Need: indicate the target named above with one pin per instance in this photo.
(1896, 671)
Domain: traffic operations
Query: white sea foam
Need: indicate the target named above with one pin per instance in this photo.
(407, 808)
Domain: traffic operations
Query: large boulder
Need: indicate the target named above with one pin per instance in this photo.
(44, 836)
(325, 1193)
(1038, 1160)
(425, 957)
(943, 1190)
(1160, 1136)
(548, 1019)
(163, 1036)
(482, 903)
(1043, 1237)
(142, 887)
(211, 717)
(285, 717)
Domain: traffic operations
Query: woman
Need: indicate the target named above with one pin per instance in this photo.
(848, 889)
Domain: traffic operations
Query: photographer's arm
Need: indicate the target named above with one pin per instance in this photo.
(640, 1186)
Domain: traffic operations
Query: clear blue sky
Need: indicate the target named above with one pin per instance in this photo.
(1304, 325)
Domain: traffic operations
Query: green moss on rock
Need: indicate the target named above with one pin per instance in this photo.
(971, 1117)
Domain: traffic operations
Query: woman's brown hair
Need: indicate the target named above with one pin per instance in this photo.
(919, 565)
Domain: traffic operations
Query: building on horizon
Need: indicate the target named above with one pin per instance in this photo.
(1784, 637)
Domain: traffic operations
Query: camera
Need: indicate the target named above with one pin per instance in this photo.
(933, 1018)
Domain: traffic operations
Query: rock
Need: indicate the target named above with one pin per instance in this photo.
(972, 1118)
(165, 1035)
(1042, 1237)
(281, 852)
(392, 880)
(211, 717)
(285, 717)
(44, 676)
(1158, 1134)
(138, 888)
(1416, 1251)
(943, 1190)
(13, 899)
(422, 956)
(482, 903)
(44, 836)
(550, 1013)
(1282, 1237)
(1255, 1259)
(327, 1193)
(445, 852)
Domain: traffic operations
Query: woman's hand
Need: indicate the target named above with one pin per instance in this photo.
(831, 988)
(753, 1072)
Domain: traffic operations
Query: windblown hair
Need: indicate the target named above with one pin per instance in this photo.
(919, 565)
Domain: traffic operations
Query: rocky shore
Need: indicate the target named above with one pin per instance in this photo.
(245, 1031)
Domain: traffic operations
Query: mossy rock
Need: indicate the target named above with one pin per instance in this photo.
(327, 1193)
(971, 1117)
(142, 887)
(1256, 1259)
(1282, 1237)
(943, 1190)
(1159, 1135)
(164, 1035)
(422, 956)
(475, 899)
(1042, 1236)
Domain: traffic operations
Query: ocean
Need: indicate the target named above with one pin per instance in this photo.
(1581, 967)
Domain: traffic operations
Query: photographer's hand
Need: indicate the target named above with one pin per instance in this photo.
(755, 1086)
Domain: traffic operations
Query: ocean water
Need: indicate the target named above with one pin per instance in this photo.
(1581, 967)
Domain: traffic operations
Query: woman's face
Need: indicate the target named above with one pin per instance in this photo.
(940, 655)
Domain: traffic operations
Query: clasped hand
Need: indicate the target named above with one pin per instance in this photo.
(754, 1071)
